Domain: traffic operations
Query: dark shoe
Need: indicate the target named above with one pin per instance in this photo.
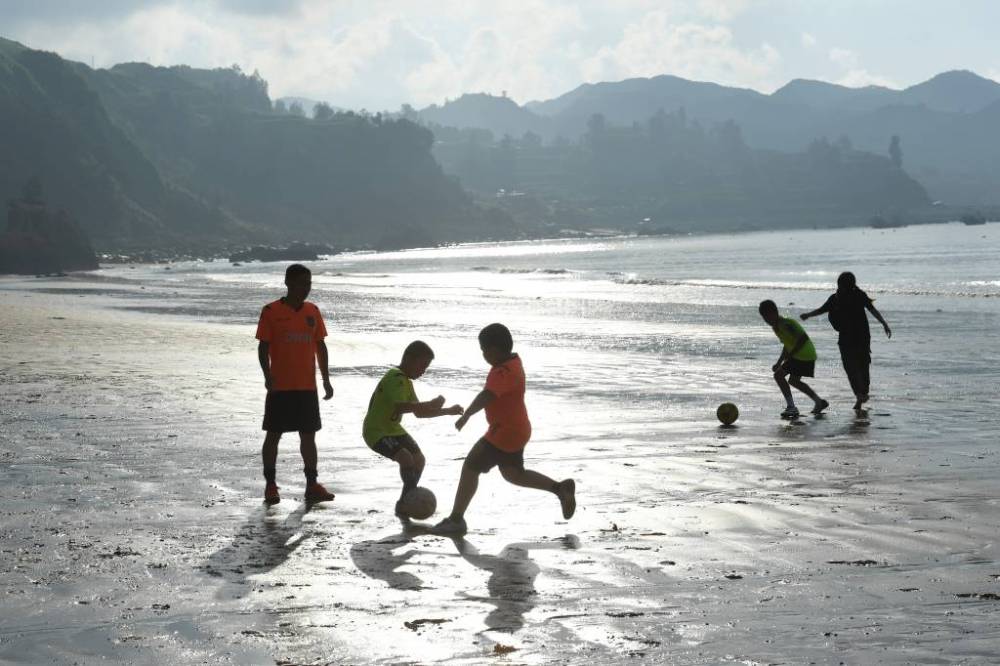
(567, 497)
(857, 405)
(271, 496)
(820, 406)
(451, 527)
(790, 413)
(315, 492)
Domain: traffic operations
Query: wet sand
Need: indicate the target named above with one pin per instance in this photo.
(133, 530)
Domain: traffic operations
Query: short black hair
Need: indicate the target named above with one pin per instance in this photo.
(497, 336)
(767, 306)
(418, 349)
(295, 270)
(846, 281)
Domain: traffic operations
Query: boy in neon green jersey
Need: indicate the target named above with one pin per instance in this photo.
(393, 397)
(797, 360)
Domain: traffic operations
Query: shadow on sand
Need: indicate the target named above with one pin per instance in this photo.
(511, 584)
(262, 543)
(378, 559)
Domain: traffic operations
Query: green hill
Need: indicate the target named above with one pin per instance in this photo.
(180, 157)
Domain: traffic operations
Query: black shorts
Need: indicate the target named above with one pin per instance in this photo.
(797, 368)
(292, 411)
(390, 446)
(484, 456)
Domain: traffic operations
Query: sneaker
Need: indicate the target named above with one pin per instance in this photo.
(820, 406)
(315, 492)
(790, 413)
(271, 496)
(451, 527)
(566, 492)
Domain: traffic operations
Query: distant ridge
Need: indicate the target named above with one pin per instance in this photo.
(946, 124)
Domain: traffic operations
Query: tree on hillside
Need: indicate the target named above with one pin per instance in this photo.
(322, 111)
(896, 151)
(32, 192)
(280, 107)
(296, 110)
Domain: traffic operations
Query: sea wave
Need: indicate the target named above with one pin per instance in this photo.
(632, 279)
(522, 271)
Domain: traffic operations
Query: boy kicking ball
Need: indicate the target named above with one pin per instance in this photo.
(797, 360)
(393, 397)
(509, 431)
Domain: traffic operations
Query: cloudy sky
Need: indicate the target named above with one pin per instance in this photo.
(377, 54)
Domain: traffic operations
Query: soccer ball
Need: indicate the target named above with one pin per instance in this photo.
(727, 413)
(419, 503)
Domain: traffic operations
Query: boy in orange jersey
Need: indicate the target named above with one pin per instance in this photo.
(291, 333)
(509, 431)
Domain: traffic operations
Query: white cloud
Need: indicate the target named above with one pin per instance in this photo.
(808, 40)
(854, 75)
(844, 57)
(659, 44)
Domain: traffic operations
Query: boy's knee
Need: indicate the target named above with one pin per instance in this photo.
(510, 473)
(470, 467)
(405, 458)
(419, 460)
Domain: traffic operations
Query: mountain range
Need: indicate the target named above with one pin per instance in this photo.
(949, 126)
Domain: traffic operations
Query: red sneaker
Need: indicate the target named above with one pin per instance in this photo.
(271, 495)
(315, 492)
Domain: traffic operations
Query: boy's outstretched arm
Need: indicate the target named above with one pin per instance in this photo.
(323, 358)
(878, 315)
(264, 358)
(428, 409)
(478, 403)
(818, 311)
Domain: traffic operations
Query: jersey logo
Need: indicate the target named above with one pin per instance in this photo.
(311, 322)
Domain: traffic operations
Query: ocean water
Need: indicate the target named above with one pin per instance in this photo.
(641, 334)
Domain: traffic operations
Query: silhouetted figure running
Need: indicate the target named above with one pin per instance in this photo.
(846, 311)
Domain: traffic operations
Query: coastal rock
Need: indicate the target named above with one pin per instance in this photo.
(39, 241)
(294, 252)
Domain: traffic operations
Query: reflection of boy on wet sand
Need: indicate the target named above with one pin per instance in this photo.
(393, 397)
(509, 431)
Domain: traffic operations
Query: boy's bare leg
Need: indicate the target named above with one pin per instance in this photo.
(307, 447)
(526, 478)
(779, 379)
(269, 454)
(802, 386)
(468, 483)
(411, 466)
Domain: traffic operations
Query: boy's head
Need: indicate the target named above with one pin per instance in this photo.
(768, 311)
(416, 358)
(298, 279)
(496, 343)
(846, 281)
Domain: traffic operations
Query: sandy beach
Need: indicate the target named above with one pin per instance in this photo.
(133, 530)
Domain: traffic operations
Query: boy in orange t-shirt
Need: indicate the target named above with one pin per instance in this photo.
(291, 333)
(509, 431)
